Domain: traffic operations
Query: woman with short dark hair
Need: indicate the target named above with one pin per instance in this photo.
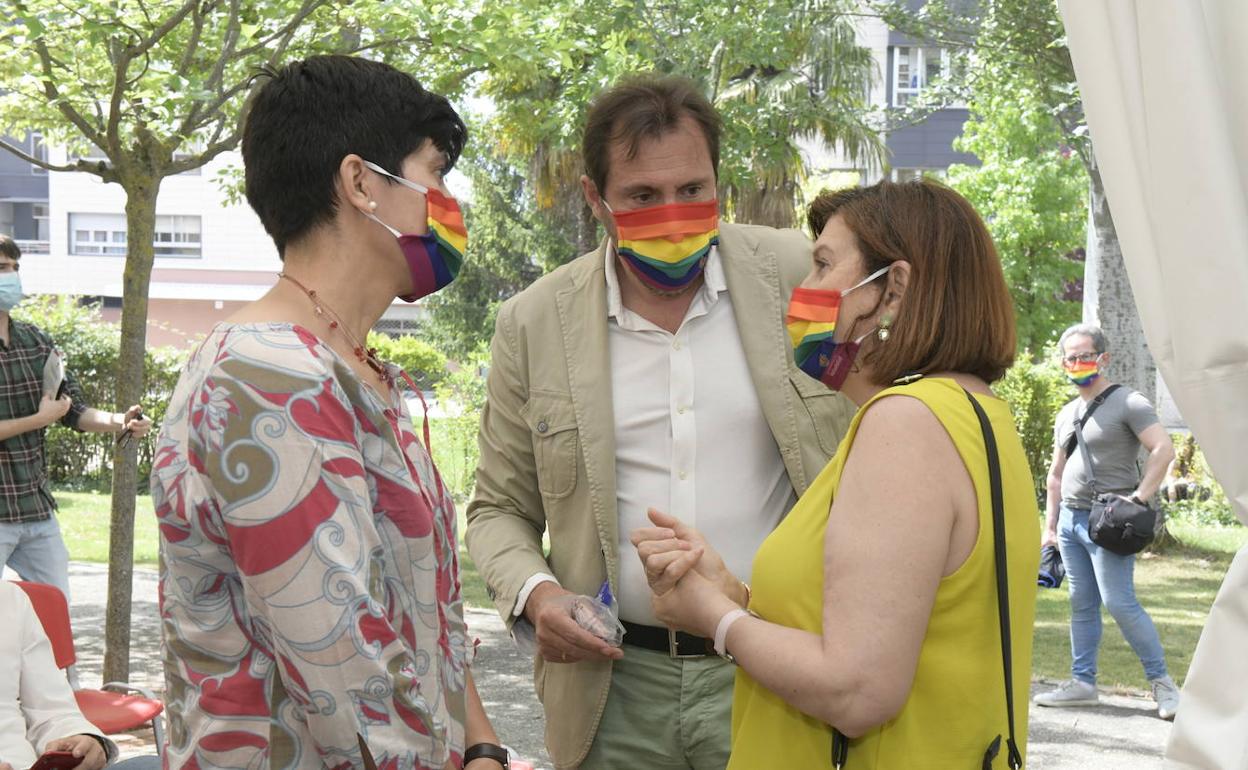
(310, 591)
(875, 611)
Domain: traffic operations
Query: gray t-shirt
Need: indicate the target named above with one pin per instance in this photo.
(1113, 441)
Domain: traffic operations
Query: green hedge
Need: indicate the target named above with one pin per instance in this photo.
(1035, 393)
(91, 347)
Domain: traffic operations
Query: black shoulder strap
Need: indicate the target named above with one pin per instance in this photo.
(1015, 758)
(840, 744)
(1081, 421)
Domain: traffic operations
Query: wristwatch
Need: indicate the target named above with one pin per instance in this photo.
(488, 751)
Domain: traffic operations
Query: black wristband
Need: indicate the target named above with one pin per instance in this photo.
(487, 751)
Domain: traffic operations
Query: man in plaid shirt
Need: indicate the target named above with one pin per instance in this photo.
(30, 538)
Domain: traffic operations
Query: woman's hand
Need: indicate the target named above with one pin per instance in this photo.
(694, 604)
(665, 551)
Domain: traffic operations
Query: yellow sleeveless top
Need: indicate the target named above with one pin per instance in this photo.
(957, 703)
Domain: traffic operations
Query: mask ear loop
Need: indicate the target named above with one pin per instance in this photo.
(858, 360)
(420, 188)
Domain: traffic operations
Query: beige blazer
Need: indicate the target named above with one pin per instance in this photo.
(548, 441)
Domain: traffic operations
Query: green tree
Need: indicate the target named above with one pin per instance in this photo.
(1031, 189)
(511, 244)
(156, 88)
(1015, 37)
(778, 70)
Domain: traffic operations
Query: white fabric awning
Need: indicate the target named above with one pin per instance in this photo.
(1165, 90)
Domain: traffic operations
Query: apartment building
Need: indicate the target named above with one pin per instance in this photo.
(211, 256)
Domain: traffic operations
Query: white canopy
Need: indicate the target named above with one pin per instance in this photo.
(1165, 89)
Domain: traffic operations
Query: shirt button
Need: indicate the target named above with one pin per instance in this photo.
(680, 410)
(683, 475)
(542, 427)
(676, 345)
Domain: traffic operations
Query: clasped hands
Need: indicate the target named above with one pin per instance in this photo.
(692, 588)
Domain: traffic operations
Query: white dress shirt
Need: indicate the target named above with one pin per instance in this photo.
(690, 436)
(36, 703)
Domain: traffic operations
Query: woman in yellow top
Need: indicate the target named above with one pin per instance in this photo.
(874, 608)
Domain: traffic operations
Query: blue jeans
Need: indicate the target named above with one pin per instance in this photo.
(1096, 575)
(36, 552)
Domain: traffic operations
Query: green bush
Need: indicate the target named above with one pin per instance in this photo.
(1213, 512)
(422, 362)
(90, 346)
(1035, 393)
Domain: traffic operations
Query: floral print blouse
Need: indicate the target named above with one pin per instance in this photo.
(309, 585)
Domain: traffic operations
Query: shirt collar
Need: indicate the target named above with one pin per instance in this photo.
(713, 282)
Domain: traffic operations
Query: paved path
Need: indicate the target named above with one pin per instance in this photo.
(1123, 733)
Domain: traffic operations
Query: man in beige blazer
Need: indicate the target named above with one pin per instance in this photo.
(613, 390)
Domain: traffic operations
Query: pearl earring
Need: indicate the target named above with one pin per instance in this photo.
(372, 205)
(885, 323)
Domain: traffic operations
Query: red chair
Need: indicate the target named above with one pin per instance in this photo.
(112, 708)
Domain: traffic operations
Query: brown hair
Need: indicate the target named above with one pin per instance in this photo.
(644, 107)
(8, 248)
(956, 314)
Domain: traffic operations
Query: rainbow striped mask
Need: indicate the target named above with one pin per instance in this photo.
(811, 322)
(667, 246)
(1083, 373)
(433, 258)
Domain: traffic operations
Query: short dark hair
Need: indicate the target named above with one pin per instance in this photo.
(308, 115)
(8, 248)
(644, 107)
(956, 314)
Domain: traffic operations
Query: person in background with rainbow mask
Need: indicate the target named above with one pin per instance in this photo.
(649, 373)
(310, 595)
(1116, 422)
(890, 622)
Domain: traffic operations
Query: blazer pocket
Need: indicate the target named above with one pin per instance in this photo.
(556, 443)
(827, 410)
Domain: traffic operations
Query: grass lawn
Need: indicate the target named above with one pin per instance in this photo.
(1176, 587)
(84, 524)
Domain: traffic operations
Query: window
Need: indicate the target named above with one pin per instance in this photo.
(95, 234)
(177, 236)
(38, 150)
(105, 235)
(916, 68)
(39, 213)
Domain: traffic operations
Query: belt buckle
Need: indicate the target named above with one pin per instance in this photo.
(673, 648)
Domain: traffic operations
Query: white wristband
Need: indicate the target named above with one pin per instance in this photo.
(721, 630)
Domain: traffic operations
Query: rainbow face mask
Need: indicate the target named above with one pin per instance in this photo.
(1082, 373)
(433, 258)
(811, 322)
(667, 246)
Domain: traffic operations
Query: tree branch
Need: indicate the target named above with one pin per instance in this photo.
(15, 150)
(164, 29)
(197, 29)
(309, 7)
(202, 158)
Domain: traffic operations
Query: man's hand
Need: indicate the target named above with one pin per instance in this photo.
(1048, 538)
(92, 753)
(52, 409)
(135, 423)
(560, 639)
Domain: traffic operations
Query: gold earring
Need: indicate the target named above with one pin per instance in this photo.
(885, 323)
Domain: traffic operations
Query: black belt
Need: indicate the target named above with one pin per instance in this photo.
(677, 644)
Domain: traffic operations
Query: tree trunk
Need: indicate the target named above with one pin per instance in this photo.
(586, 227)
(769, 206)
(140, 234)
(1108, 300)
